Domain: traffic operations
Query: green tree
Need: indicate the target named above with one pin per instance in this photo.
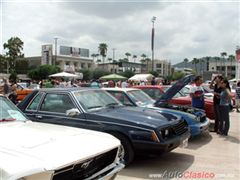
(127, 54)
(99, 73)
(22, 66)
(134, 58)
(102, 48)
(178, 75)
(13, 47)
(185, 61)
(223, 54)
(147, 60)
(143, 60)
(42, 72)
(109, 59)
(87, 74)
(195, 61)
(155, 73)
(13, 77)
(98, 61)
(231, 58)
(3, 64)
(127, 73)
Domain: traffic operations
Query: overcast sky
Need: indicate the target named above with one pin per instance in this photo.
(182, 30)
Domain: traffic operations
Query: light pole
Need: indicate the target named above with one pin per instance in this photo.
(55, 59)
(114, 59)
(153, 20)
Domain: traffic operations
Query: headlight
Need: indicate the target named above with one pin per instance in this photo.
(144, 135)
(165, 133)
(198, 118)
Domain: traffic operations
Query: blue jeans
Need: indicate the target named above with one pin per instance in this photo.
(224, 119)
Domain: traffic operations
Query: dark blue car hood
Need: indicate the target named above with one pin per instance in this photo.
(134, 115)
(174, 89)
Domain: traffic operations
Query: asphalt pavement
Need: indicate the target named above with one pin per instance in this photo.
(209, 156)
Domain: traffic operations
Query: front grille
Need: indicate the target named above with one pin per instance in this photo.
(180, 128)
(86, 168)
(175, 130)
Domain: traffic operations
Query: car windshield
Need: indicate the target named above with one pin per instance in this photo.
(140, 97)
(8, 112)
(95, 99)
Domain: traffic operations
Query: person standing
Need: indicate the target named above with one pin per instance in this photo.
(216, 85)
(197, 93)
(225, 97)
(238, 96)
(13, 95)
(153, 81)
(6, 88)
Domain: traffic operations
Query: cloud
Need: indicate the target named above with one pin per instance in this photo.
(182, 30)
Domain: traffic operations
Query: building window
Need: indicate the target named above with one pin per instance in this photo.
(89, 65)
(82, 65)
(159, 65)
(68, 63)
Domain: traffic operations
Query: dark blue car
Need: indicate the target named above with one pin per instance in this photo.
(139, 129)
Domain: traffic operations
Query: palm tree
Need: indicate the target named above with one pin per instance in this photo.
(207, 60)
(98, 61)
(102, 48)
(223, 54)
(127, 54)
(231, 58)
(134, 58)
(143, 61)
(216, 61)
(185, 61)
(147, 61)
(93, 56)
(195, 61)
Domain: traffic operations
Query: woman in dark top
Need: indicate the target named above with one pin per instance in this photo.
(216, 85)
(225, 98)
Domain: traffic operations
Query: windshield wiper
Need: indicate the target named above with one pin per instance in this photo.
(93, 107)
(7, 120)
(112, 104)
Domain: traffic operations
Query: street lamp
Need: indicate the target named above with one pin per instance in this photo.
(55, 59)
(153, 20)
(114, 49)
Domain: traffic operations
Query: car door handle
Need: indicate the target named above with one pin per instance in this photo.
(39, 117)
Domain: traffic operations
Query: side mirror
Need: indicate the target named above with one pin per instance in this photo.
(72, 112)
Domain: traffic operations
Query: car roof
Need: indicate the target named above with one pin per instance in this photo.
(70, 89)
(121, 89)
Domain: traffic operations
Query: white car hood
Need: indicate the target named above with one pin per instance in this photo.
(39, 147)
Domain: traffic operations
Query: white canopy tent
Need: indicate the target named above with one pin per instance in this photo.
(65, 75)
(141, 77)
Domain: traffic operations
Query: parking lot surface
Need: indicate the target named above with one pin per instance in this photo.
(209, 156)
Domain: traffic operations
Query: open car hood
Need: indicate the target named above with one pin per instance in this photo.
(172, 91)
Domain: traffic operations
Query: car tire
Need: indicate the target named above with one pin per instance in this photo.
(127, 148)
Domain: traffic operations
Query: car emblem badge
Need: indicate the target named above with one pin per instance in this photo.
(86, 164)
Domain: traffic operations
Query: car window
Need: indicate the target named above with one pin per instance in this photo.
(140, 97)
(57, 103)
(120, 96)
(153, 93)
(9, 112)
(36, 101)
(95, 99)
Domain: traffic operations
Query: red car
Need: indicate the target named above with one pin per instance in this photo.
(177, 98)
